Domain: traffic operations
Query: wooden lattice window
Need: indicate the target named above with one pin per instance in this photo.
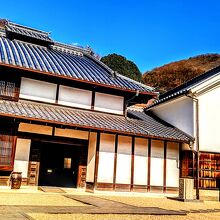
(209, 170)
(188, 164)
(67, 163)
(8, 90)
(6, 152)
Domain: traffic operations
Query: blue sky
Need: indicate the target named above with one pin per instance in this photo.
(149, 32)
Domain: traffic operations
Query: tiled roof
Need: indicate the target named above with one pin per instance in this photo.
(186, 87)
(89, 119)
(29, 32)
(73, 65)
(156, 126)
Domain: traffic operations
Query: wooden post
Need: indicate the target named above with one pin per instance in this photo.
(97, 159)
(165, 166)
(115, 161)
(149, 164)
(132, 164)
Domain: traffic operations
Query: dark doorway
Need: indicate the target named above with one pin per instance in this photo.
(60, 164)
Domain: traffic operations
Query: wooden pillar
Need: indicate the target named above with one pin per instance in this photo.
(97, 159)
(149, 164)
(115, 161)
(180, 160)
(165, 167)
(93, 100)
(132, 164)
(57, 93)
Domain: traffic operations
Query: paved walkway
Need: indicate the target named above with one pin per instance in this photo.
(93, 205)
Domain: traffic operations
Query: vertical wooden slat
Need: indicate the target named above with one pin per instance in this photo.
(57, 93)
(149, 164)
(132, 164)
(93, 100)
(180, 160)
(53, 131)
(115, 161)
(97, 159)
(165, 167)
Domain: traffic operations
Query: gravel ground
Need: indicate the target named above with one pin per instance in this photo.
(164, 203)
(209, 216)
(141, 201)
(37, 199)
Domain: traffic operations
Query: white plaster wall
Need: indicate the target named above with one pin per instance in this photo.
(178, 112)
(33, 128)
(209, 120)
(70, 133)
(75, 97)
(123, 170)
(91, 157)
(109, 103)
(22, 156)
(172, 166)
(157, 163)
(106, 158)
(140, 161)
(37, 90)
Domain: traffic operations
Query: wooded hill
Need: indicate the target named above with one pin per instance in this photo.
(123, 66)
(173, 74)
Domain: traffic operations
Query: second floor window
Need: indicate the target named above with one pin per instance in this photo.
(8, 90)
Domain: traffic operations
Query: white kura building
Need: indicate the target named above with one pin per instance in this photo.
(194, 108)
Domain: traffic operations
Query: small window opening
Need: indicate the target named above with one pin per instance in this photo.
(67, 163)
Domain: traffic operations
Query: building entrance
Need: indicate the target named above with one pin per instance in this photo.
(60, 165)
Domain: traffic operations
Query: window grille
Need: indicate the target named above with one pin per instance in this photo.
(67, 163)
(8, 89)
(6, 145)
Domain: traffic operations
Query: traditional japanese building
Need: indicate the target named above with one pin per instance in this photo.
(64, 120)
(194, 108)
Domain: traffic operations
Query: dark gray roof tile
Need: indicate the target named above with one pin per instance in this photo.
(75, 66)
(141, 125)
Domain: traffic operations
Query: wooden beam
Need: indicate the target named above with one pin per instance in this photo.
(93, 100)
(97, 159)
(180, 161)
(57, 93)
(149, 164)
(165, 167)
(115, 161)
(132, 163)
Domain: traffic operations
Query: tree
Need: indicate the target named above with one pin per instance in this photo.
(123, 66)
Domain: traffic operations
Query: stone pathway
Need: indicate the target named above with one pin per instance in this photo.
(48, 189)
(94, 205)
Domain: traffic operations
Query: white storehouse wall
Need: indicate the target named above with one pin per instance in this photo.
(209, 120)
(106, 158)
(141, 161)
(178, 112)
(37, 90)
(172, 166)
(123, 170)
(91, 157)
(22, 156)
(157, 163)
(109, 103)
(75, 97)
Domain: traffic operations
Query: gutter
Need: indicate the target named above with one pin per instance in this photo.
(196, 100)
